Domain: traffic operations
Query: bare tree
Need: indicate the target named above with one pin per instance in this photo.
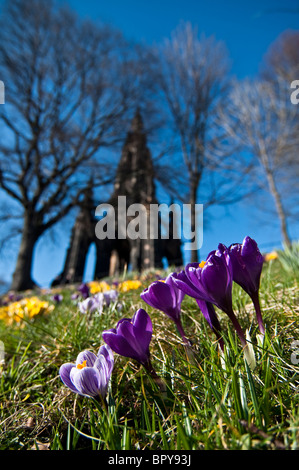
(192, 73)
(281, 61)
(261, 118)
(65, 99)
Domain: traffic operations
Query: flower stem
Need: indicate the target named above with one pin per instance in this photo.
(257, 307)
(182, 332)
(158, 381)
(101, 404)
(186, 341)
(238, 328)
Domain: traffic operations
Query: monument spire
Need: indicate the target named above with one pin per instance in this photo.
(135, 178)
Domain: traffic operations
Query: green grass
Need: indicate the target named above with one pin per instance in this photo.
(213, 402)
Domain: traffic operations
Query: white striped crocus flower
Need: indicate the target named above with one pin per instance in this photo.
(90, 374)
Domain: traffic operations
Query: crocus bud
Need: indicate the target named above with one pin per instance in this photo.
(247, 263)
(131, 337)
(84, 290)
(165, 296)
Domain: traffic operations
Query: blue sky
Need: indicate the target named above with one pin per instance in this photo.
(247, 28)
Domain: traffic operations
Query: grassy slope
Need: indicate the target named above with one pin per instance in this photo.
(211, 403)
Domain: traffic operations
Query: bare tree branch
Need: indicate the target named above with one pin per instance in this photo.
(65, 101)
(192, 74)
(262, 120)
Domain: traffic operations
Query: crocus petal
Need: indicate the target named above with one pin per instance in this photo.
(143, 328)
(217, 268)
(86, 380)
(178, 293)
(142, 321)
(90, 375)
(64, 373)
(119, 344)
(87, 356)
(161, 294)
(148, 295)
(209, 313)
(149, 298)
(253, 259)
(104, 369)
(247, 262)
(132, 337)
(84, 290)
(108, 355)
(217, 279)
(251, 252)
(138, 343)
(183, 282)
(194, 276)
(110, 296)
(92, 304)
(211, 283)
(165, 296)
(104, 378)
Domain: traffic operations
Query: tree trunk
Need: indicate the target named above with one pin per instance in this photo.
(22, 275)
(279, 209)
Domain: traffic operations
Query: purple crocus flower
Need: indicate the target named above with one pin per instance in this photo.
(92, 304)
(84, 290)
(207, 308)
(131, 337)
(247, 262)
(110, 296)
(13, 297)
(164, 295)
(90, 374)
(57, 298)
(211, 283)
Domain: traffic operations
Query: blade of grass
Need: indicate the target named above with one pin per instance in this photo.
(253, 394)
